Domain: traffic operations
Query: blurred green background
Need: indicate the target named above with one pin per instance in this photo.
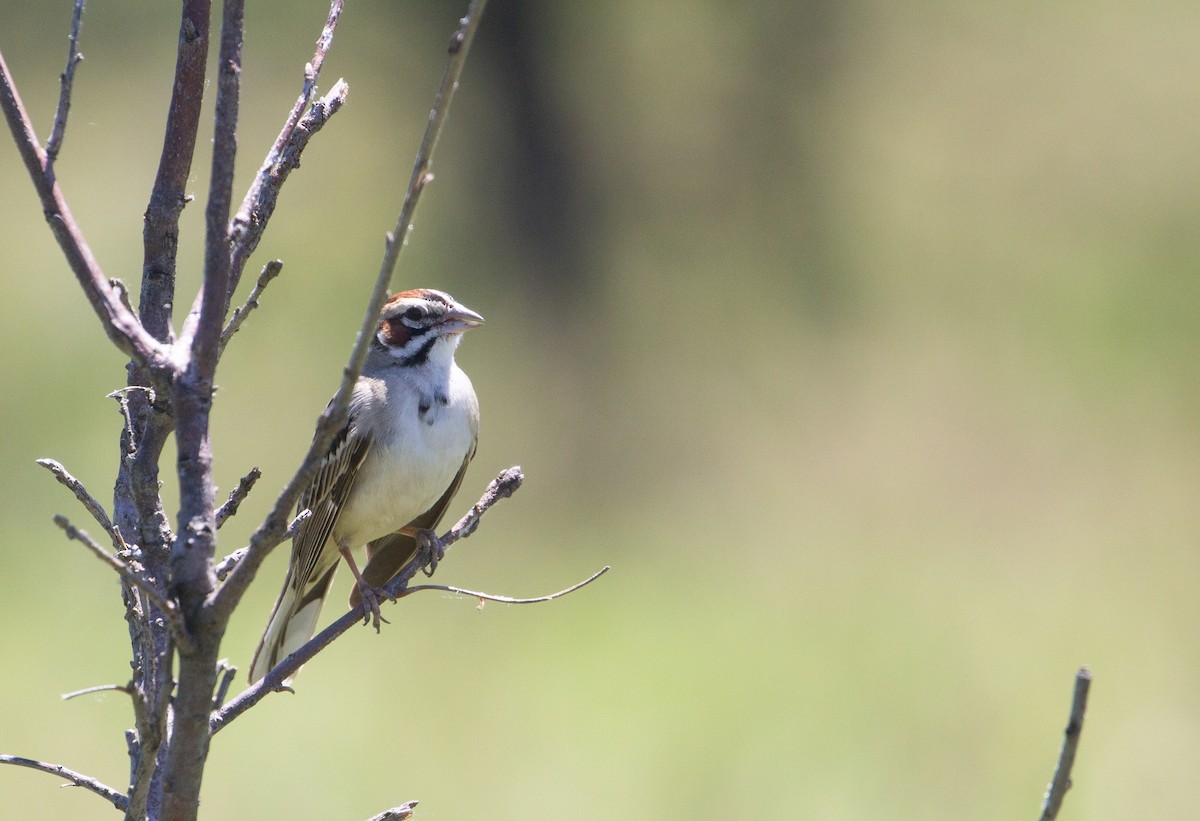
(859, 338)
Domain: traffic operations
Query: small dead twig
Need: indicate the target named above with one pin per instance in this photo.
(74, 58)
(122, 397)
(81, 493)
(226, 672)
(294, 527)
(116, 798)
(233, 559)
(401, 813)
(127, 689)
(268, 273)
(446, 588)
(237, 496)
(1061, 782)
(167, 606)
(230, 562)
(503, 486)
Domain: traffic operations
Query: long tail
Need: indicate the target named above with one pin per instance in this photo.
(292, 624)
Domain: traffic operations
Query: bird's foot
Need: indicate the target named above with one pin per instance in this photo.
(371, 597)
(430, 549)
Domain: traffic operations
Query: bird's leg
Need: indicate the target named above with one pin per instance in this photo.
(370, 595)
(429, 547)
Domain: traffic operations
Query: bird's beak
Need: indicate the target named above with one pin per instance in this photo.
(460, 320)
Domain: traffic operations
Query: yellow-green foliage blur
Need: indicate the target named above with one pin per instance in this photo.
(859, 338)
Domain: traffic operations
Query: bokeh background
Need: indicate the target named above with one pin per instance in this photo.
(859, 338)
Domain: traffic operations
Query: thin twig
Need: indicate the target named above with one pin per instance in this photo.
(117, 799)
(168, 607)
(501, 487)
(230, 562)
(268, 273)
(81, 493)
(227, 564)
(401, 813)
(294, 528)
(54, 144)
(259, 204)
(446, 588)
(227, 672)
(122, 397)
(127, 689)
(1061, 782)
(460, 45)
(237, 496)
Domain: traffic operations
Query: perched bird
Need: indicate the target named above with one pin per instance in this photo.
(390, 472)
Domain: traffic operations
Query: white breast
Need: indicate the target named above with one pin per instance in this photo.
(419, 445)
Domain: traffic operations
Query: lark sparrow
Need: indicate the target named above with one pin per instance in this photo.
(390, 472)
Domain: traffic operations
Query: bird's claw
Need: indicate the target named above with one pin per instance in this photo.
(371, 597)
(430, 549)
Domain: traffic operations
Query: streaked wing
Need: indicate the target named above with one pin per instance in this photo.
(325, 497)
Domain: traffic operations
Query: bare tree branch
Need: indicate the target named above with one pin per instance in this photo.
(227, 672)
(231, 561)
(237, 496)
(401, 813)
(502, 487)
(226, 565)
(250, 222)
(259, 203)
(268, 273)
(54, 144)
(117, 799)
(284, 157)
(75, 486)
(202, 331)
(121, 326)
(160, 230)
(460, 45)
(1061, 782)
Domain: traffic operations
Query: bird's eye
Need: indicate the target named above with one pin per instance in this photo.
(414, 314)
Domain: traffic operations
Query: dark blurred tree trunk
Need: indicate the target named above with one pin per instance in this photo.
(545, 211)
